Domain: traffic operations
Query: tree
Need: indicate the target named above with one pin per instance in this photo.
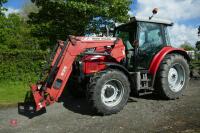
(15, 33)
(2, 9)
(187, 46)
(28, 8)
(58, 18)
(199, 31)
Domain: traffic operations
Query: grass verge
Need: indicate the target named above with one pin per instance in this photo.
(12, 92)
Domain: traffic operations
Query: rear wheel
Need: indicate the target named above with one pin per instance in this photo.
(108, 91)
(173, 76)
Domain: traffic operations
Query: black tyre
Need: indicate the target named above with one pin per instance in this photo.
(108, 91)
(173, 76)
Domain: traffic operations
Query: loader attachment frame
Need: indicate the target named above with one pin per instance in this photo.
(48, 91)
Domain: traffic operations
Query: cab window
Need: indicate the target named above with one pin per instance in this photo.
(167, 35)
(150, 35)
(128, 34)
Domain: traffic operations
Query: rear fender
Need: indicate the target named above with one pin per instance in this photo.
(119, 67)
(155, 63)
(122, 69)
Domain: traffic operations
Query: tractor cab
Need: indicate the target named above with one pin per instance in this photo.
(143, 39)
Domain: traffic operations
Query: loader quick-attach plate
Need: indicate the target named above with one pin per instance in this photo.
(38, 98)
(28, 110)
(28, 107)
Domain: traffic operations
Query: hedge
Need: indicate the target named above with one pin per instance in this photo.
(21, 65)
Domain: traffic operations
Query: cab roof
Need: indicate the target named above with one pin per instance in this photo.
(145, 19)
(153, 20)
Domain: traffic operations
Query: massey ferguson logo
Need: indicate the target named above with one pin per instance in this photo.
(99, 38)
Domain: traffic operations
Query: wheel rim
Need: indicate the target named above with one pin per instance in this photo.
(112, 92)
(176, 77)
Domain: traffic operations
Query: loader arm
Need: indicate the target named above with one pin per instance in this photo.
(50, 90)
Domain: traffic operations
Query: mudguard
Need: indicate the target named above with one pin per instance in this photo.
(155, 63)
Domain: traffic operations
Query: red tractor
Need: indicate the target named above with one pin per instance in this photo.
(137, 59)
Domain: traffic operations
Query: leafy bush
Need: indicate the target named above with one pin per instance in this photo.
(21, 65)
(15, 34)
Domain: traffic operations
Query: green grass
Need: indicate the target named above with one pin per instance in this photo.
(12, 92)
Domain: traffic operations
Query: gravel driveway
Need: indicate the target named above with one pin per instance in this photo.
(145, 114)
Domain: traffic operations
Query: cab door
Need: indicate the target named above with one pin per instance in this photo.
(151, 40)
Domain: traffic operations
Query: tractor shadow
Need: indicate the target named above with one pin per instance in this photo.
(151, 96)
(79, 104)
(76, 104)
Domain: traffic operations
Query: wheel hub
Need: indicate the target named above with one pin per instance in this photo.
(112, 92)
(176, 78)
(109, 92)
(173, 76)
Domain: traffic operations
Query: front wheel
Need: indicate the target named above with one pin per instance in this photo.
(108, 91)
(173, 76)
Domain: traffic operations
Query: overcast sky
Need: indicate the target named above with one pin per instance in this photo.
(184, 13)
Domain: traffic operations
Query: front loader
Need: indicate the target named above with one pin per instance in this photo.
(138, 59)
